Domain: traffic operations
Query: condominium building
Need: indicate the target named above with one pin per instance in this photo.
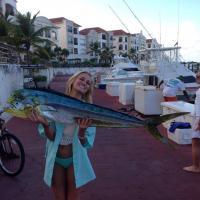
(69, 35)
(152, 43)
(8, 6)
(120, 41)
(50, 34)
(95, 35)
(137, 41)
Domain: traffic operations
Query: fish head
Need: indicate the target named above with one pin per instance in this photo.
(20, 104)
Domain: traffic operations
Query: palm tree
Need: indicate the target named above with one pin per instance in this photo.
(95, 49)
(61, 54)
(30, 36)
(132, 54)
(106, 55)
(65, 53)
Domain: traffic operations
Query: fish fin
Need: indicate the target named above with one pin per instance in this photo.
(163, 118)
(151, 125)
(156, 134)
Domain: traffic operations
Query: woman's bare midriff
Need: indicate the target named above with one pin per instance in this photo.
(64, 151)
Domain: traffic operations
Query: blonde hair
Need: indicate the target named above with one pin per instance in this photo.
(87, 97)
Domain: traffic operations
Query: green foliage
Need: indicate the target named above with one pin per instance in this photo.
(40, 78)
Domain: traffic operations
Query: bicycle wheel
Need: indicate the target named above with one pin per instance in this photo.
(12, 156)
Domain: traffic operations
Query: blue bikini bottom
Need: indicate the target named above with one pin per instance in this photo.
(64, 162)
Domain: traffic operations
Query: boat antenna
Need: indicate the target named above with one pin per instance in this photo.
(138, 19)
(178, 15)
(119, 18)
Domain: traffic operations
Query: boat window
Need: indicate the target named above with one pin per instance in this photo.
(131, 69)
(121, 72)
(189, 79)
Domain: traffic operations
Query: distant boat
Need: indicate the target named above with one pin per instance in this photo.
(123, 70)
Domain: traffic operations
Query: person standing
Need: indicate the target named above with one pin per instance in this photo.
(171, 88)
(67, 166)
(195, 167)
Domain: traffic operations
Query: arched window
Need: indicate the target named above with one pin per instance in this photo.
(9, 9)
(120, 47)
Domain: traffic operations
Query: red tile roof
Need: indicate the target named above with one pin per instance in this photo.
(149, 40)
(87, 30)
(119, 32)
(57, 20)
(60, 20)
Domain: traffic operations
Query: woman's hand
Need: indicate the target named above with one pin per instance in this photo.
(35, 117)
(198, 126)
(83, 124)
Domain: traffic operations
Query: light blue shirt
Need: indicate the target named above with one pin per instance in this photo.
(83, 170)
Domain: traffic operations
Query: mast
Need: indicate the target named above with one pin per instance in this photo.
(138, 20)
(119, 18)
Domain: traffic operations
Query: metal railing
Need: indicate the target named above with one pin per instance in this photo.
(8, 54)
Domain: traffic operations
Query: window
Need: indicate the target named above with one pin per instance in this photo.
(75, 41)
(120, 39)
(54, 35)
(120, 47)
(126, 47)
(47, 34)
(126, 39)
(75, 31)
(69, 29)
(75, 51)
(70, 40)
(103, 37)
(111, 37)
(103, 44)
(9, 9)
(41, 34)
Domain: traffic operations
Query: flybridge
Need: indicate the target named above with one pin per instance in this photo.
(160, 49)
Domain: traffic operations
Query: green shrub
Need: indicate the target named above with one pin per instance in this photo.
(40, 78)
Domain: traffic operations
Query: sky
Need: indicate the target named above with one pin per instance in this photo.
(168, 21)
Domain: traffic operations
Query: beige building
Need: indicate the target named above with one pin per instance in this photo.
(8, 6)
(137, 41)
(93, 35)
(51, 34)
(69, 35)
(152, 43)
(121, 41)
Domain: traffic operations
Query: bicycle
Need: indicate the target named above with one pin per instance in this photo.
(12, 156)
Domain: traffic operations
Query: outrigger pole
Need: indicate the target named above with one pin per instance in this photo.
(138, 19)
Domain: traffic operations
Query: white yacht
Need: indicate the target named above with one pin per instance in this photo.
(123, 70)
(164, 63)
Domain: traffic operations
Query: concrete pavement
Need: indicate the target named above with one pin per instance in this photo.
(129, 164)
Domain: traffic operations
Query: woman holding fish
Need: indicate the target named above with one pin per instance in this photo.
(67, 165)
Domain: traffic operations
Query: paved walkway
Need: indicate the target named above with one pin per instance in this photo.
(129, 164)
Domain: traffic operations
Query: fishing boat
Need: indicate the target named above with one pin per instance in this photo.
(123, 70)
(165, 63)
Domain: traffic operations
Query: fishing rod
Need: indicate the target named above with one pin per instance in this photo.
(138, 19)
(119, 18)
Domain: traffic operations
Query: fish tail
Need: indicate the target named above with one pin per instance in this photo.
(153, 123)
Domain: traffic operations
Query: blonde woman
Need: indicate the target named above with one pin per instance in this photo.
(67, 165)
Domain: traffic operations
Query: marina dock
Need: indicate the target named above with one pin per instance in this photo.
(129, 163)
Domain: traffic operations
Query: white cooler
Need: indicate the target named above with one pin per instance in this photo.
(126, 93)
(112, 88)
(180, 136)
(147, 100)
